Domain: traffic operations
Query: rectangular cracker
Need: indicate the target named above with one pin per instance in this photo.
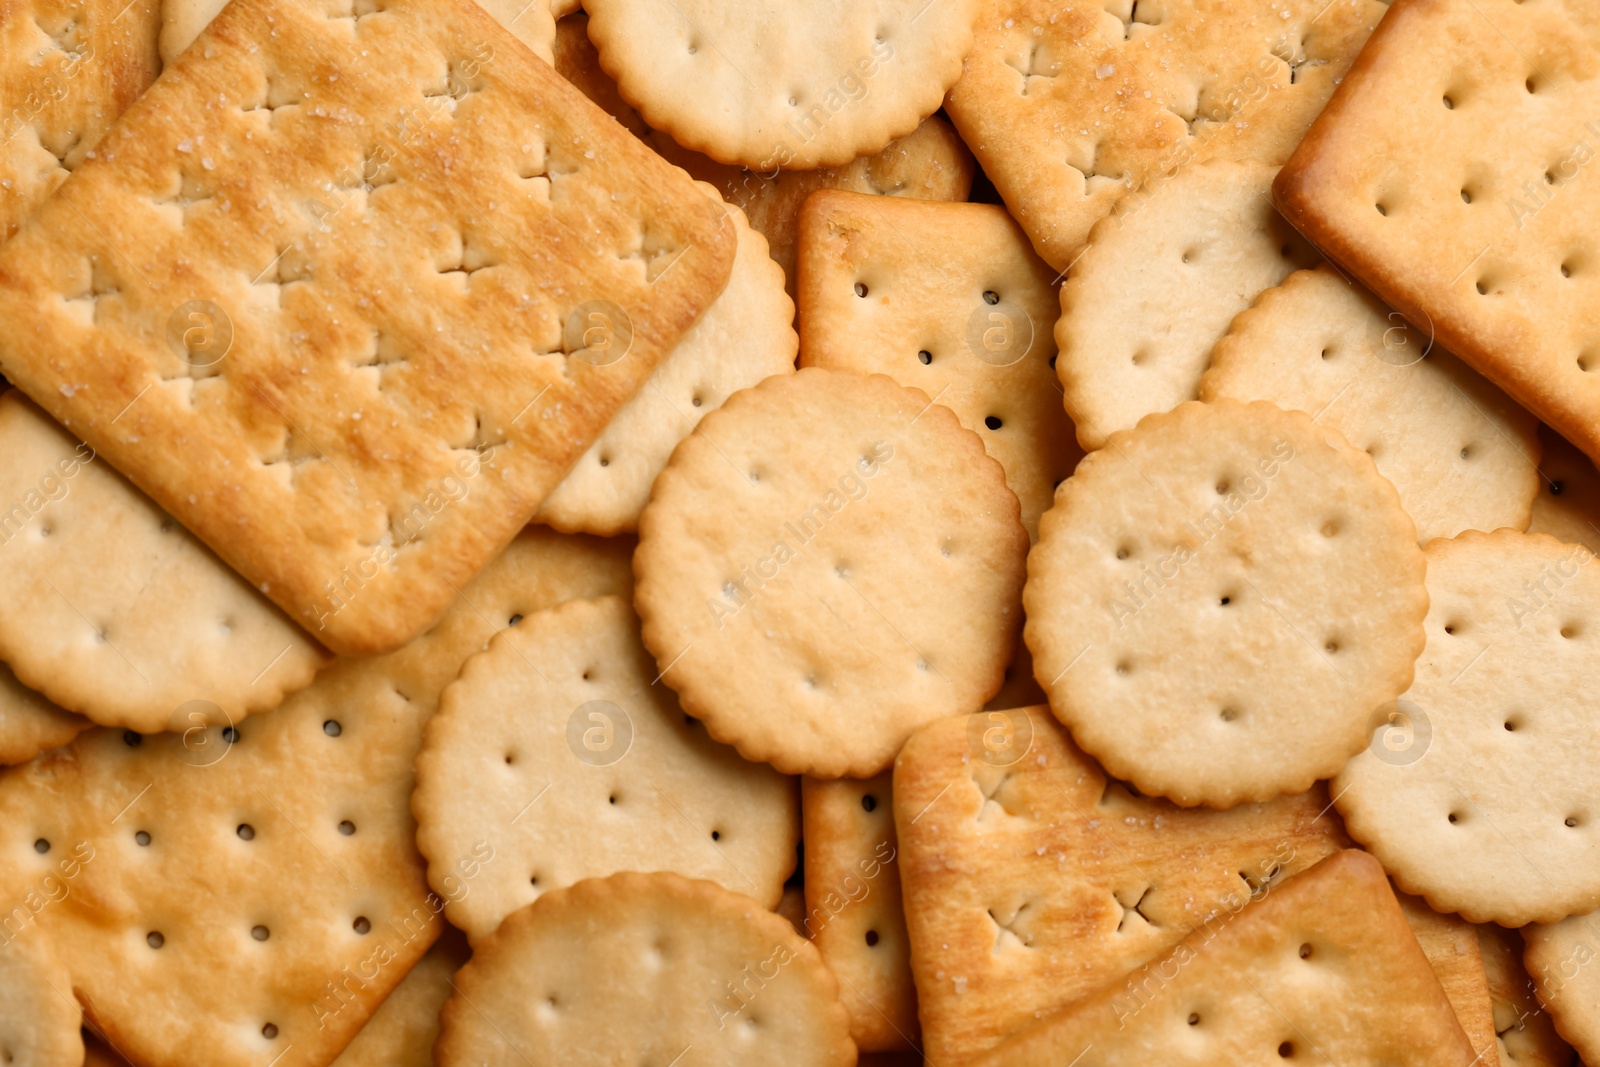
(1323, 969)
(1071, 104)
(949, 299)
(1451, 945)
(1450, 173)
(339, 751)
(68, 69)
(411, 273)
(1031, 880)
(852, 907)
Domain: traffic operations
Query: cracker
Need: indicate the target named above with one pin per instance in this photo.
(1562, 961)
(68, 68)
(853, 913)
(929, 163)
(338, 752)
(402, 1031)
(113, 610)
(744, 336)
(1221, 598)
(1070, 104)
(39, 1020)
(555, 752)
(532, 22)
(1462, 455)
(949, 299)
(792, 905)
(1451, 945)
(1155, 289)
(1524, 1033)
(29, 723)
(1020, 689)
(1475, 790)
(641, 968)
(1031, 880)
(1568, 504)
(827, 563)
(1324, 968)
(1448, 175)
(804, 85)
(516, 272)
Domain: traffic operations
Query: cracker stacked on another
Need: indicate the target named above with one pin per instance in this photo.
(670, 532)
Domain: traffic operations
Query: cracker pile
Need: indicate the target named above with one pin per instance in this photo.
(671, 532)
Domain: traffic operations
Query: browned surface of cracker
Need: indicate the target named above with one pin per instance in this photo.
(1451, 945)
(1030, 879)
(1449, 174)
(1525, 1036)
(395, 214)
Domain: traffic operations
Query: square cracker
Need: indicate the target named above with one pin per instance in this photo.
(1030, 879)
(1069, 104)
(1449, 174)
(852, 907)
(338, 752)
(68, 68)
(1451, 945)
(1324, 968)
(114, 611)
(349, 291)
(949, 299)
(1568, 505)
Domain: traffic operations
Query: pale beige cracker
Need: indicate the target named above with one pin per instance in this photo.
(1563, 959)
(1474, 792)
(1221, 598)
(299, 826)
(1451, 945)
(1568, 505)
(402, 1031)
(747, 334)
(1325, 969)
(1525, 1036)
(1452, 174)
(533, 22)
(642, 968)
(1031, 880)
(555, 752)
(929, 163)
(852, 908)
(39, 1019)
(949, 299)
(483, 265)
(29, 723)
(1156, 288)
(830, 561)
(112, 610)
(1461, 453)
(803, 85)
(68, 68)
(1071, 104)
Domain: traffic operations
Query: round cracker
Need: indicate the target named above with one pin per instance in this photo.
(554, 754)
(1462, 454)
(1157, 286)
(39, 1019)
(1219, 600)
(828, 563)
(1479, 794)
(745, 335)
(642, 968)
(802, 85)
